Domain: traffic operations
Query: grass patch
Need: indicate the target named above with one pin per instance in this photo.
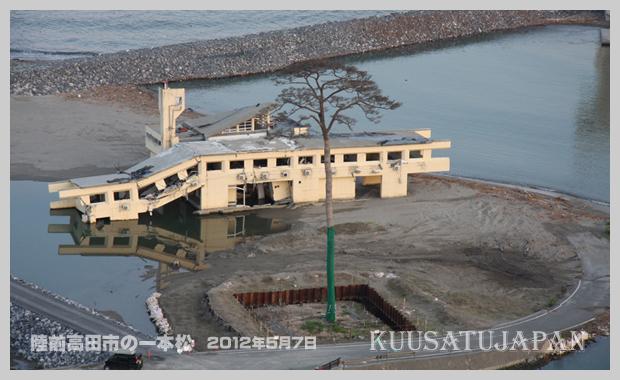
(313, 326)
(338, 328)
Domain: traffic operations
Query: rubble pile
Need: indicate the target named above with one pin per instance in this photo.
(157, 314)
(25, 323)
(271, 51)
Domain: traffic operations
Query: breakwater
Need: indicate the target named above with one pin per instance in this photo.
(271, 51)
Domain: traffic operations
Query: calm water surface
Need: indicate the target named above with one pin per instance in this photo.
(528, 108)
(116, 266)
(70, 34)
(594, 357)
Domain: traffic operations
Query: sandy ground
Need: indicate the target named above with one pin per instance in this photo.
(54, 137)
(464, 254)
(98, 131)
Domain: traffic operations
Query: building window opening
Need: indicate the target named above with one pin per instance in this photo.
(120, 195)
(283, 161)
(192, 171)
(171, 180)
(236, 164)
(148, 191)
(415, 154)
(372, 156)
(214, 166)
(97, 198)
(350, 157)
(394, 156)
(97, 241)
(262, 163)
(305, 160)
(121, 241)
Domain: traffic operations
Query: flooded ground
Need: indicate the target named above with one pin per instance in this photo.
(114, 267)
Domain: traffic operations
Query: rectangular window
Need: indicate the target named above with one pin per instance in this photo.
(192, 171)
(305, 160)
(332, 159)
(394, 155)
(373, 157)
(262, 163)
(173, 179)
(283, 161)
(236, 164)
(120, 195)
(96, 241)
(214, 166)
(350, 157)
(122, 241)
(97, 198)
(415, 154)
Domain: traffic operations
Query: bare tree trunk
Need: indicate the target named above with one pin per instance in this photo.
(329, 206)
(329, 212)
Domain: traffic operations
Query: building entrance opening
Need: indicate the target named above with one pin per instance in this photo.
(252, 194)
(368, 187)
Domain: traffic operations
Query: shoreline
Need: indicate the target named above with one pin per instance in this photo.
(268, 52)
(540, 190)
(547, 192)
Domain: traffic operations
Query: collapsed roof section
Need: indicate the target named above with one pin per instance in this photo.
(204, 127)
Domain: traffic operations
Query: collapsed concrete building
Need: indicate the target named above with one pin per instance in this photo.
(238, 159)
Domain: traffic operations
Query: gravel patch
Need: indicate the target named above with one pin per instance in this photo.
(271, 51)
(25, 323)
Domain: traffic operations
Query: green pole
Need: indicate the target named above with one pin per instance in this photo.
(330, 315)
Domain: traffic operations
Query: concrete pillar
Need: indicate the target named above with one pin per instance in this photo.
(260, 190)
(202, 175)
(171, 105)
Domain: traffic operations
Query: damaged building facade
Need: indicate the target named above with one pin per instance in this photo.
(238, 159)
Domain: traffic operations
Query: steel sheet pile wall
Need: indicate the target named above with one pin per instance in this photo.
(362, 293)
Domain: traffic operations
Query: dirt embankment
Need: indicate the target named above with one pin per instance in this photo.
(461, 255)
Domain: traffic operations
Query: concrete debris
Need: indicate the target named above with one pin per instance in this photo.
(563, 345)
(25, 323)
(157, 314)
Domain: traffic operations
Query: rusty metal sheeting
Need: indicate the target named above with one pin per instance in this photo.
(362, 293)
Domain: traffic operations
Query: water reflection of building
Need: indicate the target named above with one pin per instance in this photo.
(174, 241)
